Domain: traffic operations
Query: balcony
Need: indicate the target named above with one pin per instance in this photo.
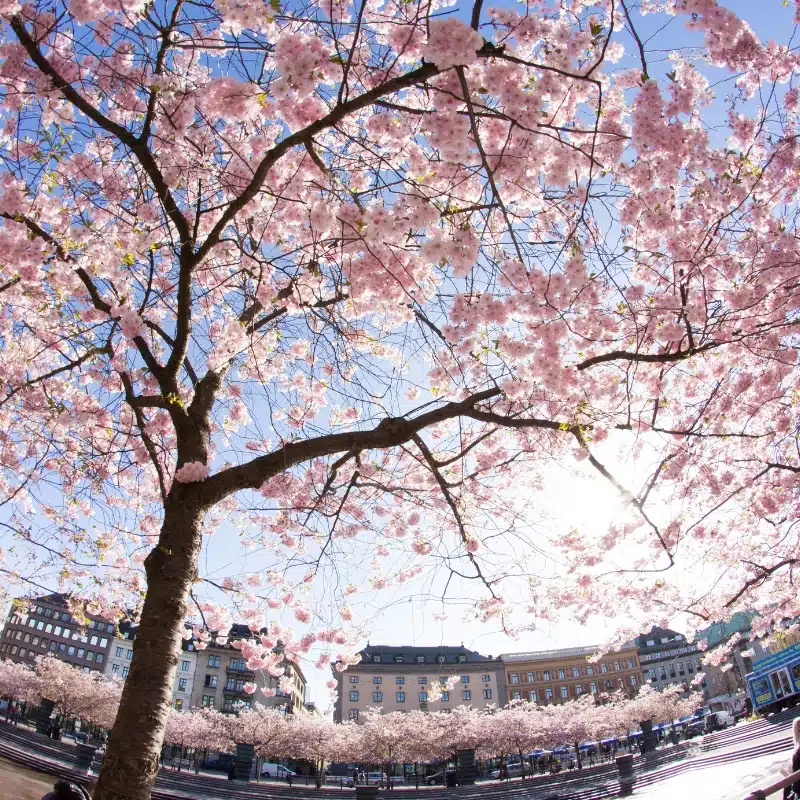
(241, 672)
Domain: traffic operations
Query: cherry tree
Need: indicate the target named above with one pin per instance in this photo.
(334, 280)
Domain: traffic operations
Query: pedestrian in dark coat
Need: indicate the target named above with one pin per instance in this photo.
(64, 790)
(793, 792)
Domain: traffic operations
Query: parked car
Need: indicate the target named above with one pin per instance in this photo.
(514, 771)
(438, 777)
(696, 728)
(271, 770)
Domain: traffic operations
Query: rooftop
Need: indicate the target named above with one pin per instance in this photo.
(563, 652)
(399, 654)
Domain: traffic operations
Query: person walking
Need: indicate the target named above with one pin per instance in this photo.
(793, 792)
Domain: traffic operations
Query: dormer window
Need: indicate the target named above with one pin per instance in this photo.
(398, 659)
(440, 659)
(376, 659)
(420, 659)
(462, 659)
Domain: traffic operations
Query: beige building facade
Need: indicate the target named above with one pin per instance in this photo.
(222, 672)
(403, 678)
(556, 676)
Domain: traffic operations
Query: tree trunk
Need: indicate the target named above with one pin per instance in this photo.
(134, 746)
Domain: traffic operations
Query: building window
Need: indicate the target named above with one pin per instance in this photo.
(184, 666)
(689, 667)
(579, 689)
(238, 663)
(514, 677)
(57, 630)
(400, 697)
(40, 625)
(621, 683)
(94, 640)
(548, 693)
(399, 659)
(633, 680)
(354, 695)
(353, 715)
(440, 659)
(532, 695)
(530, 677)
(604, 667)
(593, 687)
(179, 704)
(354, 679)
(213, 661)
(377, 697)
(423, 697)
(608, 685)
(399, 681)
(547, 674)
(663, 673)
(31, 623)
(125, 671)
(377, 660)
(698, 664)
(89, 654)
(420, 659)
(181, 684)
(48, 628)
(423, 680)
(651, 643)
(442, 680)
(445, 696)
(630, 663)
(118, 652)
(672, 670)
(466, 694)
(70, 651)
(376, 679)
(62, 648)
(590, 669)
(680, 668)
(515, 695)
(129, 655)
(465, 679)
(211, 682)
(576, 672)
(485, 678)
(27, 637)
(208, 701)
(109, 628)
(561, 675)
(664, 639)
(14, 650)
(81, 652)
(66, 633)
(564, 692)
(22, 652)
(616, 666)
(35, 640)
(53, 646)
(115, 669)
(652, 672)
(462, 659)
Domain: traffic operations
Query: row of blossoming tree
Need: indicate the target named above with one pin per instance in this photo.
(519, 728)
(342, 281)
(76, 695)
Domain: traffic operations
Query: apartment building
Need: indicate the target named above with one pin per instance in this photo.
(667, 658)
(402, 678)
(121, 654)
(555, 676)
(45, 626)
(221, 674)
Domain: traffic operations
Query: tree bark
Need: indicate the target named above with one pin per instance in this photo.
(134, 746)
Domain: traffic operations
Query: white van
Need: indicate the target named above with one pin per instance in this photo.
(718, 720)
(270, 770)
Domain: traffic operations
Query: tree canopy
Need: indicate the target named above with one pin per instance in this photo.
(343, 281)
